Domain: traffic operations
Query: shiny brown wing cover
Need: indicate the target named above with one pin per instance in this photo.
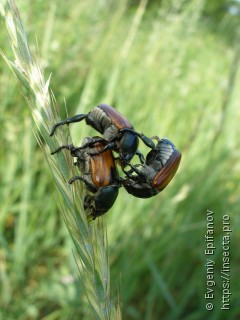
(165, 175)
(102, 166)
(116, 117)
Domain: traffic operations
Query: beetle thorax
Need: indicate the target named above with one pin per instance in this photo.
(110, 133)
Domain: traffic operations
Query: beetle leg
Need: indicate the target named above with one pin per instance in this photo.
(133, 168)
(109, 146)
(77, 118)
(141, 157)
(91, 187)
(138, 172)
(69, 147)
(147, 141)
(89, 143)
(128, 173)
(87, 201)
(119, 181)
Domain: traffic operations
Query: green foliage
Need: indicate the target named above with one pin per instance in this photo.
(170, 75)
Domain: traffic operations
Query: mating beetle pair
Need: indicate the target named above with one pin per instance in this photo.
(117, 131)
(97, 164)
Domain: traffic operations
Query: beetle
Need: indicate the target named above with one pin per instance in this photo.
(99, 174)
(116, 130)
(155, 174)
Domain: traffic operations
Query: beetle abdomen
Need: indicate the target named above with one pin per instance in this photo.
(158, 157)
(98, 119)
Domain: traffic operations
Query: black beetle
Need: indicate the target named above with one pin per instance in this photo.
(99, 173)
(116, 129)
(155, 174)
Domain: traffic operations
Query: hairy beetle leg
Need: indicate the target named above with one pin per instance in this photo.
(87, 201)
(147, 141)
(139, 176)
(89, 185)
(138, 172)
(91, 143)
(77, 118)
(66, 146)
(141, 157)
(71, 148)
(128, 173)
(107, 147)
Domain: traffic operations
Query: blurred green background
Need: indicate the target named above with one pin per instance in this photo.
(171, 67)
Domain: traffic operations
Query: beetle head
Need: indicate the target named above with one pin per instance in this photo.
(104, 200)
(127, 148)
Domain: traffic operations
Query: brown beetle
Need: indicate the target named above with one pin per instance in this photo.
(116, 130)
(99, 173)
(156, 173)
